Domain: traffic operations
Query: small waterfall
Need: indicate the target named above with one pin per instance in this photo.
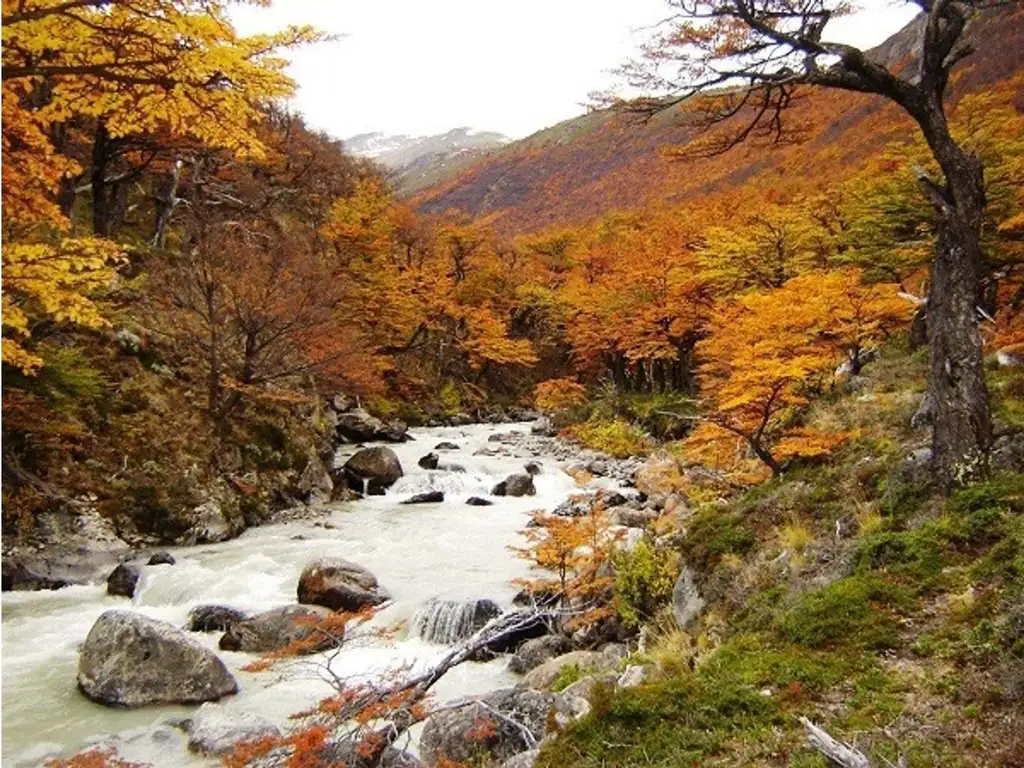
(448, 621)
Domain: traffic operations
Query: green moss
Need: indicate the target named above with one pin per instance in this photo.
(675, 722)
(567, 675)
(714, 533)
(854, 613)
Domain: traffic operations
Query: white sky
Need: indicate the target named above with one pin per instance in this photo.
(426, 66)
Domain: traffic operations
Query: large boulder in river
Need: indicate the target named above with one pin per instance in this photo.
(283, 627)
(520, 484)
(340, 585)
(131, 660)
(372, 470)
(358, 426)
(124, 580)
(471, 732)
(512, 629)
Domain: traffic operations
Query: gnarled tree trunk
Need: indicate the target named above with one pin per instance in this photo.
(957, 396)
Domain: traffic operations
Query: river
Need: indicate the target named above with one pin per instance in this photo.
(418, 552)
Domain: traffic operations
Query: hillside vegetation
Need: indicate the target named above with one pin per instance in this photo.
(582, 168)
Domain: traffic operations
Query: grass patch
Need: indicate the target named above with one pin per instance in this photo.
(854, 613)
(714, 534)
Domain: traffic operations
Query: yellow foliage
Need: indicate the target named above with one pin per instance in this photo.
(555, 394)
(55, 282)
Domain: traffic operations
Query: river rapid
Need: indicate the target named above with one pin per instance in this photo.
(418, 552)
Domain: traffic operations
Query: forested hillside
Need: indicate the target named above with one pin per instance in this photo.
(583, 168)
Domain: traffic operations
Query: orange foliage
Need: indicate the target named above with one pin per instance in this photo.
(555, 394)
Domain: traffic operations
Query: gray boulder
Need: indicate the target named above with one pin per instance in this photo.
(455, 734)
(515, 485)
(161, 558)
(281, 627)
(211, 524)
(687, 603)
(460, 420)
(476, 501)
(544, 676)
(340, 585)
(358, 426)
(214, 618)
(543, 427)
(130, 660)
(446, 446)
(372, 470)
(214, 731)
(124, 580)
(430, 461)
(314, 484)
(533, 653)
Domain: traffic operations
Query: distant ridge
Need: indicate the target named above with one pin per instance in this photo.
(584, 167)
(419, 161)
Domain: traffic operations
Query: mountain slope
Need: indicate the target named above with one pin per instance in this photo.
(584, 167)
(419, 161)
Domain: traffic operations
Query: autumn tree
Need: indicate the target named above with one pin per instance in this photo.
(739, 62)
(253, 292)
(162, 69)
(767, 353)
(137, 80)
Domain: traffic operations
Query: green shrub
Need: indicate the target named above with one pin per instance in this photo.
(644, 578)
(617, 438)
(675, 722)
(855, 613)
(713, 534)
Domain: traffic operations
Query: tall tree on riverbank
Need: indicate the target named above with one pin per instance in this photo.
(741, 62)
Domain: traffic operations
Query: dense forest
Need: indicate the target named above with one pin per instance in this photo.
(795, 309)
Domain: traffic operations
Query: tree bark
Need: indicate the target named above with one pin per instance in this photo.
(98, 178)
(961, 421)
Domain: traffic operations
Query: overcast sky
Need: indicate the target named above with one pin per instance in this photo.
(419, 68)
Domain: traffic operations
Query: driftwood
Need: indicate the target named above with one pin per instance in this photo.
(837, 752)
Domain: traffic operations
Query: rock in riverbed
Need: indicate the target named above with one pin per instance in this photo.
(372, 470)
(214, 618)
(340, 585)
(456, 735)
(281, 627)
(515, 485)
(430, 497)
(123, 581)
(213, 731)
(131, 660)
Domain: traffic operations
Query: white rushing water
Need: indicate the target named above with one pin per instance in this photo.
(420, 552)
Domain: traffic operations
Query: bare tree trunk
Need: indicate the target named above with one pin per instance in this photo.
(957, 395)
(165, 206)
(98, 179)
(962, 430)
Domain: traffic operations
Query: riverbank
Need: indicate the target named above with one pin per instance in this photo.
(418, 552)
